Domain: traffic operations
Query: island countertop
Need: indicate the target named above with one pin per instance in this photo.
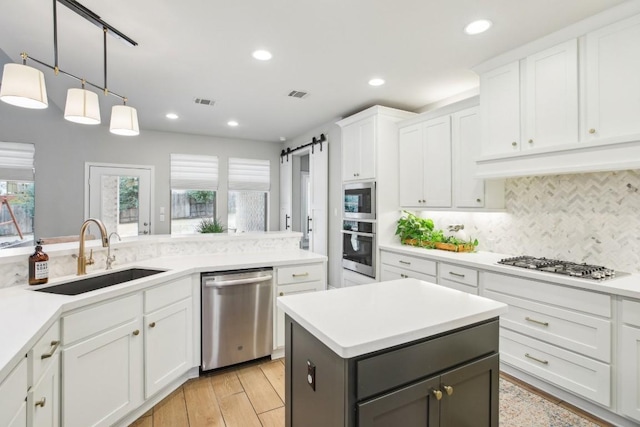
(362, 319)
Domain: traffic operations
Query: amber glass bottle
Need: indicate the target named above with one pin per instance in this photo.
(38, 267)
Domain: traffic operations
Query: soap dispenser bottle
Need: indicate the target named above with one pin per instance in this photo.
(38, 267)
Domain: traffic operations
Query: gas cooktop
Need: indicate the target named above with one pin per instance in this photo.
(581, 271)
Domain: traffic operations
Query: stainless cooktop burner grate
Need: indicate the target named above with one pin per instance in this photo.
(583, 271)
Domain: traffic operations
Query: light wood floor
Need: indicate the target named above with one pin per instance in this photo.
(251, 395)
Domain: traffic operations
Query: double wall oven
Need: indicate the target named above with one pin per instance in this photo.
(359, 228)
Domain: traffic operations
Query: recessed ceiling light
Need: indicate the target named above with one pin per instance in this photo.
(283, 139)
(376, 82)
(232, 123)
(171, 116)
(477, 27)
(262, 55)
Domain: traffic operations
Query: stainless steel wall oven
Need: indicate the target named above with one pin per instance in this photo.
(359, 247)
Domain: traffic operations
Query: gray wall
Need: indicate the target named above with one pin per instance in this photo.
(62, 148)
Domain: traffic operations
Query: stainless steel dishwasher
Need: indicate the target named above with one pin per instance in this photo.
(237, 316)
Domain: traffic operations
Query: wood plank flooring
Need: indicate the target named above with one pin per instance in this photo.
(247, 396)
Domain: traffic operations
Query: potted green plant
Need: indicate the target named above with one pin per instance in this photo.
(211, 225)
(414, 230)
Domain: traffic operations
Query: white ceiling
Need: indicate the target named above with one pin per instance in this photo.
(328, 48)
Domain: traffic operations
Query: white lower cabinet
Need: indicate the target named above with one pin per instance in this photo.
(399, 266)
(116, 354)
(168, 345)
(557, 333)
(102, 376)
(43, 400)
(453, 276)
(292, 280)
(351, 278)
(13, 393)
(629, 352)
(168, 334)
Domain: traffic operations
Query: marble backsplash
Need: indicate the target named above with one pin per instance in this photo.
(592, 218)
(62, 263)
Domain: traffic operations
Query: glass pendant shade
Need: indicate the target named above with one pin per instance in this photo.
(23, 86)
(124, 120)
(82, 107)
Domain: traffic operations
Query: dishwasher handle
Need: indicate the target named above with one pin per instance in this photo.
(235, 282)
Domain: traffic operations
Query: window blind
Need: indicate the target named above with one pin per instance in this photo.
(194, 172)
(249, 174)
(17, 161)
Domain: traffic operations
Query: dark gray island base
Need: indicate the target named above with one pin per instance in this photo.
(449, 379)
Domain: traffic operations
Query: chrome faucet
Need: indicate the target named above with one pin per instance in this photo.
(82, 260)
(111, 258)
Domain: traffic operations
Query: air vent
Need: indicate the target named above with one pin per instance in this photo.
(298, 94)
(203, 101)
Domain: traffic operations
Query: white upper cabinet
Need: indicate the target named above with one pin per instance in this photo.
(613, 81)
(358, 150)
(437, 161)
(425, 164)
(547, 104)
(465, 137)
(551, 101)
(500, 109)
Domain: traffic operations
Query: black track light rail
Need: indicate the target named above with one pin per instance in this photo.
(314, 141)
(94, 19)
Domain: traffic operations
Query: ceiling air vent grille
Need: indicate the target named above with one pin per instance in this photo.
(298, 94)
(203, 101)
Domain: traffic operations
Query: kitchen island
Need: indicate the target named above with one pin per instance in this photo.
(403, 352)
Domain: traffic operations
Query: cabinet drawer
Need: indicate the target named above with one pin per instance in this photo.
(167, 294)
(576, 373)
(299, 273)
(562, 296)
(458, 286)
(408, 262)
(43, 399)
(574, 331)
(631, 312)
(41, 355)
(99, 318)
(424, 358)
(390, 272)
(455, 273)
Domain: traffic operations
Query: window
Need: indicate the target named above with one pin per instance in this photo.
(17, 201)
(249, 185)
(194, 181)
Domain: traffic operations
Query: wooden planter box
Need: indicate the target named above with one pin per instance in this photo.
(442, 246)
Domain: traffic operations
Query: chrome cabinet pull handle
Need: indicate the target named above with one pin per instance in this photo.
(404, 262)
(544, 362)
(300, 274)
(54, 347)
(456, 274)
(539, 322)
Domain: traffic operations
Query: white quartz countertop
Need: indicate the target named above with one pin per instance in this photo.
(25, 315)
(361, 319)
(625, 285)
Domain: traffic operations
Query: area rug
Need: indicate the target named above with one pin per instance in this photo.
(521, 408)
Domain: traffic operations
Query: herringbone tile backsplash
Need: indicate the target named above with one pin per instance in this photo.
(593, 218)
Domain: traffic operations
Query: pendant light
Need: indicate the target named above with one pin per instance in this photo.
(23, 86)
(82, 106)
(124, 120)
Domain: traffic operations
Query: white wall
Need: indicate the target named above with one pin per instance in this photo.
(62, 148)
